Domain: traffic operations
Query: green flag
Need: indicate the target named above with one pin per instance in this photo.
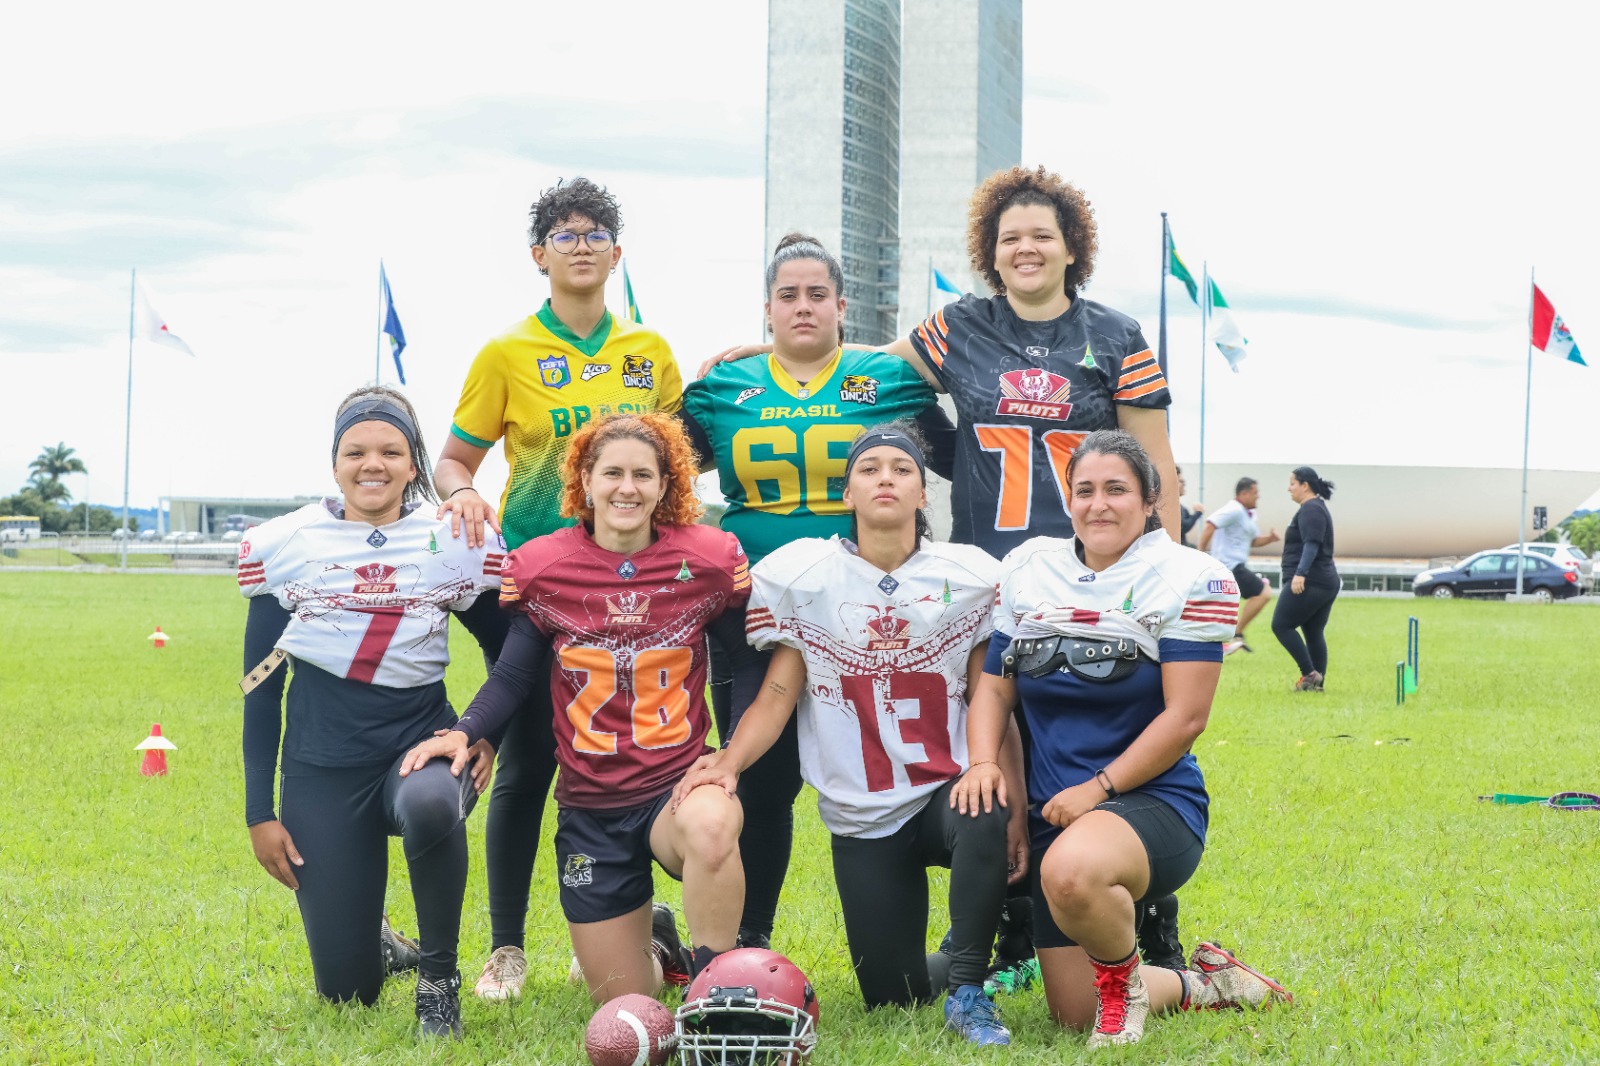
(1176, 268)
(1224, 332)
(627, 295)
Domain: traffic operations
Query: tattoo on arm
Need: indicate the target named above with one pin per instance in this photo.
(779, 688)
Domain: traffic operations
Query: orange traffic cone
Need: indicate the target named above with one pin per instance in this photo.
(155, 748)
(158, 639)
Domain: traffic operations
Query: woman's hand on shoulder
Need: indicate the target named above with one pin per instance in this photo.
(979, 789)
(276, 853)
(1070, 804)
(738, 351)
(446, 743)
(707, 770)
(467, 509)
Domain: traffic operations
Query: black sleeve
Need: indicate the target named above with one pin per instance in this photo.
(699, 438)
(508, 686)
(749, 666)
(1314, 530)
(940, 433)
(263, 709)
(487, 623)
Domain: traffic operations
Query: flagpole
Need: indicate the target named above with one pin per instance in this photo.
(127, 437)
(1161, 343)
(377, 347)
(1205, 320)
(1527, 423)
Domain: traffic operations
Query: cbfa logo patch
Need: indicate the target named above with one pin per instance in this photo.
(749, 394)
(594, 370)
(553, 371)
(638, 372)
(628, 608)
(858, 388)
(1223, 586)
(1034, 393)
(578, 871)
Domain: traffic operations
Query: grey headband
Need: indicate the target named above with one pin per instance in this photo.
(893, 440)
(375, 409)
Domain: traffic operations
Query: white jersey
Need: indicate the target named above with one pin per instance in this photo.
(1159, 590)
(1235, 533)
(883, 718)
(369, 603)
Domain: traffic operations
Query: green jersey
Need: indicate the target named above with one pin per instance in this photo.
(780, 448)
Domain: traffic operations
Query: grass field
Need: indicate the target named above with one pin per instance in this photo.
(1348, 857)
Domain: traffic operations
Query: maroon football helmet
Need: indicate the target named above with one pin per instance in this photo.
(749, 1007)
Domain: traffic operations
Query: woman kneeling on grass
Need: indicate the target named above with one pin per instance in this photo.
(625, 599)
(878, 641)
(1113, 642)
(358, 591)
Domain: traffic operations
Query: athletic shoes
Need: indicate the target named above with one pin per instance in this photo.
(1158, 934)
(1231, 646)
(439, 1005)
(668, 946)
(1121, 1003)
(752, 938)
(400, 953)
(1017, 977)
(972, 1014)
(1311, 682)
(1224, 981)
(503, 974)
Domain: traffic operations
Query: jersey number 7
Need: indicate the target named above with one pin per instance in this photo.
(660, 714)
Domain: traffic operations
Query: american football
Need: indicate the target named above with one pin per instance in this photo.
(631, 1030)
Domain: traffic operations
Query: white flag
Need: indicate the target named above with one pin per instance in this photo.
(148, 325)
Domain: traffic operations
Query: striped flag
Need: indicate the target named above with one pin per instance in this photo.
(1550, 334)
(1224, 331)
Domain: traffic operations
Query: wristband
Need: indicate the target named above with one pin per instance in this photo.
(981, 762)
(1104, 780)
(463, 488)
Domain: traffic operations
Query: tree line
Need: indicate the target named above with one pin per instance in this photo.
(47, 497)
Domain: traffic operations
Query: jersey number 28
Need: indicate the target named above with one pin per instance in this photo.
(660, 715)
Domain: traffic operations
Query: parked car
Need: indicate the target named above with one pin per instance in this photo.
(148, 534)
(1567, 555)
(1494, 573)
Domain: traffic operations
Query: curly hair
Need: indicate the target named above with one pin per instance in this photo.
(675, 458)
(1020, 186)
(561, 201)
(420, 487)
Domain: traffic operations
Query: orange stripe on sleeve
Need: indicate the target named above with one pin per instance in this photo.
(1124, 395)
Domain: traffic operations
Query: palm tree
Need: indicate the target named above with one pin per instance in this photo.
(48, 469)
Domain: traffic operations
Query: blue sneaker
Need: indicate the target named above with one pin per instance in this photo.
(972, 1014)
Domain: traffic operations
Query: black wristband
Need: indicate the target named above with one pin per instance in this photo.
(1104, 780)
(463, 488)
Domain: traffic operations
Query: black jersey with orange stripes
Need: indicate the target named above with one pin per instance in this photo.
(1026, 394)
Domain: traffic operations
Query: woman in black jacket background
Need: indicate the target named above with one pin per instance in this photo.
(1310, 581)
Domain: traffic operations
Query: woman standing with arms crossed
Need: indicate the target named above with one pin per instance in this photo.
(778, 427)
(1310, 580)
(623, 602)
(358, 592)
(535, 386)
(1112, 641)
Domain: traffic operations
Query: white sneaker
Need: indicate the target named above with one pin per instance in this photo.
(1231, 646)
(503, 974)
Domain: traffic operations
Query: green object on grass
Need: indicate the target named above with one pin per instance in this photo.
(1513, 798)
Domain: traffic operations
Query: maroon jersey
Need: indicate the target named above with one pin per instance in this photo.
(628, 636)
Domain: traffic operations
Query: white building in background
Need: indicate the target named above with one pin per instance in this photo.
(880, 120)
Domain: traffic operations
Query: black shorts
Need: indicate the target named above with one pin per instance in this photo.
(1169, 844)
(604, 859)
(1250, 583)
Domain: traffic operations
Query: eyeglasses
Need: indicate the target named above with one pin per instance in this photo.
(566, 242)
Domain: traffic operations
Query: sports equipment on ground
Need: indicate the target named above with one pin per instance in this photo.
(400, 953)
(748, 1006)
(503, 974)
(439, 1005)
(631, 1030)
(667, 946)
(1229, 982)
(1121, 1004)
(970, 1013)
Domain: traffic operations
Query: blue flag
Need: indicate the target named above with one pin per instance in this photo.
(944, 284)
(391, 323)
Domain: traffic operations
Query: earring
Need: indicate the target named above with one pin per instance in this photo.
(588, 500)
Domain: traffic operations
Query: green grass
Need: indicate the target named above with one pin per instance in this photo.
(1348, 856)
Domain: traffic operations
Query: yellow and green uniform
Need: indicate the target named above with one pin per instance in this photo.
(780, 448)
(539, 383)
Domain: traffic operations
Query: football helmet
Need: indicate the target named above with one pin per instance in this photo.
(748, 1007)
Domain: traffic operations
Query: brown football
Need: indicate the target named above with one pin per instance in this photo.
(631, 1030)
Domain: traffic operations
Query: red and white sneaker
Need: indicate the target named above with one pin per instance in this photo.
(1217, 979)
(1122, 1003)
(503, 975)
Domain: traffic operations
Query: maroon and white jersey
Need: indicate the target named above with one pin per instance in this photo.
(628, 636)
(883, 717)
(369, 603)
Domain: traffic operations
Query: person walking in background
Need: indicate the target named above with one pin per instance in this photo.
(1310, 580)
(1187, 516)
(1229, 534)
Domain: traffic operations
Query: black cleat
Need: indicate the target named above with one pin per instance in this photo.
(752, 938)
(668, 946)
(1158, 934)
(439, 1005)
(400, 953)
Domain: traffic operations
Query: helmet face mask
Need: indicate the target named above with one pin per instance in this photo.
(749, 1007)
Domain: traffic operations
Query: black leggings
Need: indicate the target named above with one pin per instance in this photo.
(1308, 612)
(526, 766)
(883, 891)
(767, 791)
(341, 821)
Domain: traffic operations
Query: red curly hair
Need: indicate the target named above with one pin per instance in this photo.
(675, 458)
(1020, 186)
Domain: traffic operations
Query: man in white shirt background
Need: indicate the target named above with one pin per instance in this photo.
(1230, 533)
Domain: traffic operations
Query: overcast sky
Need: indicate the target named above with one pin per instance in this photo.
(1370, 184)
